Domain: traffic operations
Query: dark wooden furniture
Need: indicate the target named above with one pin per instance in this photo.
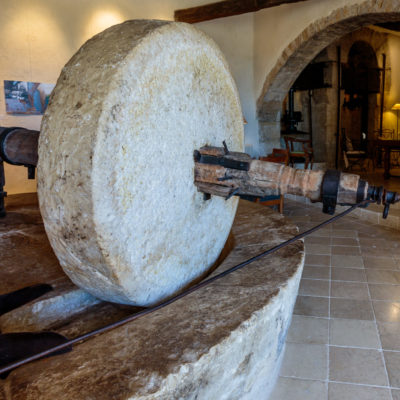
(306, 155)
(352, 156)
(387, 146)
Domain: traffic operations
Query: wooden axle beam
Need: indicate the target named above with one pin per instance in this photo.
(262, 178)
(19, 146)
(223, 173)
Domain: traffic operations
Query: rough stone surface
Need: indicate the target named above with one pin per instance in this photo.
(23, 248)
(222, 342)
(42, 314)
(115, 174)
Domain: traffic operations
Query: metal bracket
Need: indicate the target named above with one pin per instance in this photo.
(31, 171)
(330, 187)
(234, 192)
(223, 161)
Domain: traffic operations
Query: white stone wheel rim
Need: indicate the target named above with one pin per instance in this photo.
(115, 173)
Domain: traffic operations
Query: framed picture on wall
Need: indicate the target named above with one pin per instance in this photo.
(26, 98)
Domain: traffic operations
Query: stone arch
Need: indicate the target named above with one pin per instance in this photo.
(301, 51)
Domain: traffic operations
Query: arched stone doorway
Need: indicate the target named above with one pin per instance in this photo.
(303, 49)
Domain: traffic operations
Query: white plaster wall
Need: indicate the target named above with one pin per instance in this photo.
(235, 37)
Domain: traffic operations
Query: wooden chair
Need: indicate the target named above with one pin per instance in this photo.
(351, 156)
(278, 156)
(295, 155)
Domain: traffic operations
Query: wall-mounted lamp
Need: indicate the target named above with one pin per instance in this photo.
(397, 108)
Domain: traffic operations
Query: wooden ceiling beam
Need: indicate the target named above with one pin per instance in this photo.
(225, 8)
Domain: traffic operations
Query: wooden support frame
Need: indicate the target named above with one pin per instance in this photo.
(226, 8)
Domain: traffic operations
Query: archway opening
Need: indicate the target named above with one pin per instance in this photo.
(313, 41)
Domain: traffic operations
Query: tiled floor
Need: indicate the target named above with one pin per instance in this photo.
(344, 340)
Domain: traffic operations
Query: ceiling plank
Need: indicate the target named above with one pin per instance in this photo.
(225, 8)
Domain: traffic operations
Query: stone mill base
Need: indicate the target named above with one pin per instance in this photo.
(224, 341)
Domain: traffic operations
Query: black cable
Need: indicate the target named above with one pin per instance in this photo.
(192, 289)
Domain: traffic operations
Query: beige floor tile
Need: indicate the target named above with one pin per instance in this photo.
(346, 250)
(393, 368)
(317, 240)
(319, 233)
(352, 317)
(370, 234)
(376, 242)
(318, 249)
(390, 335)
(312, 306)
(386, 311)
(392, 244)
(312, 287)
(345, 261)
(351, 309)
(395, 251)
(347, 223)
(384, 292)
(314, 259)
(324, 232)
(299, 389)
(345, 391)
(356, 366)
(308, 330)
(380, 263)
(314, 272)
(395, 394)
(348, 274)
(353, 333)
(307, 361)
(350, 290)
(344, 241)
(382, 276)
(344, 233)
(368, 251)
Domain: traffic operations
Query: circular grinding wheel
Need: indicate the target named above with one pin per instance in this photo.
(116, 169)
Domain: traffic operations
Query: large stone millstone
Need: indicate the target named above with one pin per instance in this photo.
(115, 173)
